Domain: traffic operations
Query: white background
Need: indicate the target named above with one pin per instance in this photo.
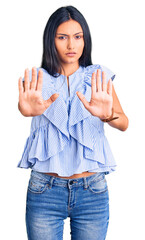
(117, 29)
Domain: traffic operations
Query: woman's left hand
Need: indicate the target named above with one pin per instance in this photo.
(101, 101)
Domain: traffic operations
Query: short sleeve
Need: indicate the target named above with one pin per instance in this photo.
(109, 73)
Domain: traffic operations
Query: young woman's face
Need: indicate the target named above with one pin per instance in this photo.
(69, 42)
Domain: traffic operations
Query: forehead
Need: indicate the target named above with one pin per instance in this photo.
(69, 27)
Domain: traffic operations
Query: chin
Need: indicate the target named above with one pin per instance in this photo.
(72, 60)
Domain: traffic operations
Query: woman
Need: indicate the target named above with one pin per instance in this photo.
(69, 99)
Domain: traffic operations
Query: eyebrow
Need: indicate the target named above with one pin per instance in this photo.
(67, 34)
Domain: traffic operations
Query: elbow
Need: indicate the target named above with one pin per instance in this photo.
(125, 125)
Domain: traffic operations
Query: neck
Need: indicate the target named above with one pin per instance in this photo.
(69, 69)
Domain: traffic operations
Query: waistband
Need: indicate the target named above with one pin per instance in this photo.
(65, 182)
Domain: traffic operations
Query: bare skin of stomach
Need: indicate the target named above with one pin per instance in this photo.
(80, 175)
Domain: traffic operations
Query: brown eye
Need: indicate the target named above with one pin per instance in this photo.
(62, 37)
(78, 37)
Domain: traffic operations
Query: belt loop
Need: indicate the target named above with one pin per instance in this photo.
(51, 181)
(85, 183)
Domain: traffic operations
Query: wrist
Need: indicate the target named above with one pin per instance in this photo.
(109, 119)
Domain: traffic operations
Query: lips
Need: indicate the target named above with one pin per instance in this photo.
(71, 54)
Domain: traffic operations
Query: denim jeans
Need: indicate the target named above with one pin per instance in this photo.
(51, 199)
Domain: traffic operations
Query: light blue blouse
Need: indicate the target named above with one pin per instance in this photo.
(66, 139)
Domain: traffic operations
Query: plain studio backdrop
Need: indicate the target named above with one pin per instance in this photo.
(117, 29)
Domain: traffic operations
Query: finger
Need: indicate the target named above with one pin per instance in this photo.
(20, 86)
(104, 83)
(83, 99)
(51, 100)
(40, 80)
(34, 79)
(109, 87)
(26, 82)
(93, 83)
(98, 80)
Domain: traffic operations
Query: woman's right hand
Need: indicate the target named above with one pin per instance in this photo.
(31, 102)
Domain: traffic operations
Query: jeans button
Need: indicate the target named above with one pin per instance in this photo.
(71, 182)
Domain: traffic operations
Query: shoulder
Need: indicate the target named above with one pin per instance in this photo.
(47, 78)
(109, 73)
(93, 68)
(46, 75)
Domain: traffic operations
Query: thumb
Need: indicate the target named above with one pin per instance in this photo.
(49, 101)
(54, 97)
(83, 99)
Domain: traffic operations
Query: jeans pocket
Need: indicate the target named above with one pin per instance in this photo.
(37, 185)
(99, 184)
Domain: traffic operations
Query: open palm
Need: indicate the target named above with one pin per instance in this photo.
(101, 101)
(31, 102)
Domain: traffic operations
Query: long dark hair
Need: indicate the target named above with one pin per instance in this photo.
(50, 60)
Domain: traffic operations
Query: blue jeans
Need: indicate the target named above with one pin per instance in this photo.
(51, 199)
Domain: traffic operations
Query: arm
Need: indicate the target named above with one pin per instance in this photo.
(122, 122)
(103, 99)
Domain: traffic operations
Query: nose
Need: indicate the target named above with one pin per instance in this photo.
(70, 44)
